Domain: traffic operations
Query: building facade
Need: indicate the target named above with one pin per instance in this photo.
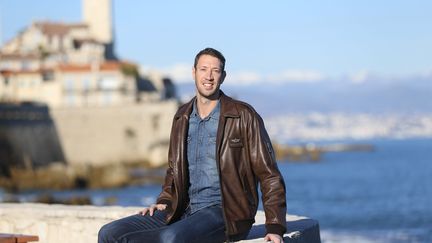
(73, 64)
(102, 108)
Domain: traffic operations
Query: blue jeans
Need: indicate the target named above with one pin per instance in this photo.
(206, 225)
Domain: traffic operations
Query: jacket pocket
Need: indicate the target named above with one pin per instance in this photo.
(247, 191)
(235, 143)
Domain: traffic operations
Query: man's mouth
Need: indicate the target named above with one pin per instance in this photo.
(208, 85)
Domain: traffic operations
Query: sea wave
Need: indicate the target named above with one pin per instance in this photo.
(376, 236)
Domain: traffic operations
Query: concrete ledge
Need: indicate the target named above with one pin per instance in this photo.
(69, 224)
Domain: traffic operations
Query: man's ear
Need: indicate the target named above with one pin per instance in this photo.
(193, 73)
(223, 76)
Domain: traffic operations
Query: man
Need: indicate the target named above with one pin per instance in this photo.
(219, 152)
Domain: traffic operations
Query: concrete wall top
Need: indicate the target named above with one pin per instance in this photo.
(62, 223)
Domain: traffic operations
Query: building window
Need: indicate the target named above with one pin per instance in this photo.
(25, 65)
(69, 85)
(107, 98)
(70, 99)
(109, 83)
(22, 83)
(155, 122)
(77, 44)
(48, 76)
(86, 85)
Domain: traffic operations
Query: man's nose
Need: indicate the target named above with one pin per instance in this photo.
(209, 75)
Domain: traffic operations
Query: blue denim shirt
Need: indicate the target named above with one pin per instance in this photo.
(204, 190)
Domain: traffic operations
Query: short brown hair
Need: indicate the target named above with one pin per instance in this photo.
(212, 52)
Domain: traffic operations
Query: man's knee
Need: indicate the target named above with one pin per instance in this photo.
(170, 235)
(105, 234)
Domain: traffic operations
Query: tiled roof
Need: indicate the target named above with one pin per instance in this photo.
(105, 66)
(57, 28)
(86, 40)
(8, 73)
(18, 56)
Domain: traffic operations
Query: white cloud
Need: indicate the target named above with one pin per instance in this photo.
(289, 75)
(365, 76)
(243, 78)
(181, 73)
(359, 77)
(294, 75)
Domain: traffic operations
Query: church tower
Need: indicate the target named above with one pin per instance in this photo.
(97, 14)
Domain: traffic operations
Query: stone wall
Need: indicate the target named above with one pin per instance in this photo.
(28, 137)
(71, 224)
(100, 135)
(32, 135)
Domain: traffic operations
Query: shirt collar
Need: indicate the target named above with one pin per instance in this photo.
(214, 114)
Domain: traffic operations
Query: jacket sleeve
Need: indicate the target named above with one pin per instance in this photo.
(272, 184)
(168, 188)
(165, 197)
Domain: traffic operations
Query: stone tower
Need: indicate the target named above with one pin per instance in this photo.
(98, 15)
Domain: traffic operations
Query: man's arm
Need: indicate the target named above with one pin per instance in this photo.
(271, 181)
(165, 197)
(168, 188)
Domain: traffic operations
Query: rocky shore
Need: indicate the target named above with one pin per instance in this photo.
(59, 176)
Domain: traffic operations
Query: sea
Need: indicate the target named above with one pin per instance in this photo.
(384, 195)
(379, 196)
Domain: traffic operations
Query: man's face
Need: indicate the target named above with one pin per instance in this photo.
(208, 76)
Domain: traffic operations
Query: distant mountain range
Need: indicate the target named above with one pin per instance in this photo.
(334, 110)
(375, 97)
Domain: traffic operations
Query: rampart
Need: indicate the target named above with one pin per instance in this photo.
(28, 137)
(100, 135)
(71, 224)
(33, 135)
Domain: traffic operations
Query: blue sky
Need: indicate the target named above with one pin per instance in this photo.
(272, 41)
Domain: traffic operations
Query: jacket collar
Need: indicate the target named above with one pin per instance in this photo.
(228, 107)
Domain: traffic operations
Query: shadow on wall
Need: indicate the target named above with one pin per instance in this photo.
(28, 137)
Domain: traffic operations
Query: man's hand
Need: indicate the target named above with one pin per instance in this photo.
(274, 238)
(152, 208)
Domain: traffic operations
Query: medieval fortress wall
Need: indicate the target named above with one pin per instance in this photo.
(116, 134)
(34, 136)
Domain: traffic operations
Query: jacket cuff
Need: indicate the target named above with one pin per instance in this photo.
(164, 201)
(275, 229)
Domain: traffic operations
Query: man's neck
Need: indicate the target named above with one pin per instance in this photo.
(205, 106)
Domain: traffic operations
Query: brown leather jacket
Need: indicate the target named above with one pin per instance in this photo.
(244, 158)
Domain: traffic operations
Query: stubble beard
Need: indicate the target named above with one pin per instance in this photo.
(204, 94)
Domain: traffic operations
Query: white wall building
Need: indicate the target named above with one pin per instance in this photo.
(72, 64)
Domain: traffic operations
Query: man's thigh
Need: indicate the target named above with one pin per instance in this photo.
(133, 227)
(206, 225)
